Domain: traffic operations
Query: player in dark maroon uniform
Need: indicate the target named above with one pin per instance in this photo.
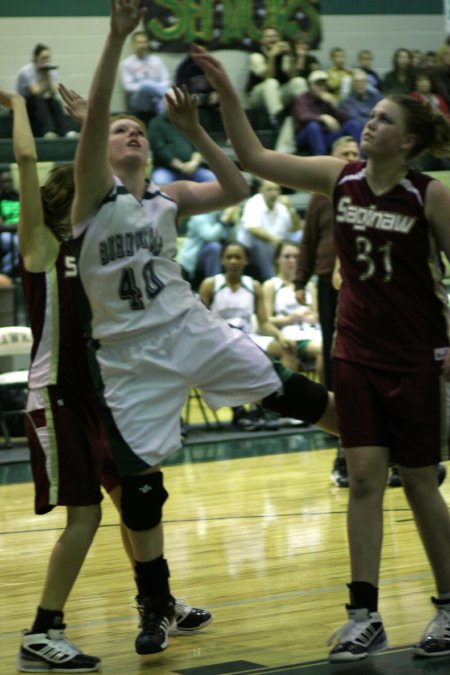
(67, 445)
(392, 343)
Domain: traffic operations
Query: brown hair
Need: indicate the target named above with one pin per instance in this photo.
(39, 49)
(57, 196)
(284, 243)
(431, 127)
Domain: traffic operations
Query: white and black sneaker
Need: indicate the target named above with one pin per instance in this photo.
(189, 619)
(361, 635)
(339, 475)
(394, 480)
(247, 420)
(53, 652)
(435, 640)
(154, 626)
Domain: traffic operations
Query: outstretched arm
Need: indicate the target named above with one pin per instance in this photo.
(38, 246)
(316, 174)
(93, 176)
(230, 186)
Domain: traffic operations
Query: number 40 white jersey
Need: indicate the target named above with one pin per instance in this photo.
(126, 263)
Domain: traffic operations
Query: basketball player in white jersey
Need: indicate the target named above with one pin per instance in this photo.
(156, 340)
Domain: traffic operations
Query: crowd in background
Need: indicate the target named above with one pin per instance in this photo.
(251, 261)
(307, 100)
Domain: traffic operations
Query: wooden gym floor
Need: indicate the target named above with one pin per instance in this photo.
(255, 532)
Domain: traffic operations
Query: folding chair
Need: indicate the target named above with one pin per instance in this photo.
(194, 395)
(14, 341)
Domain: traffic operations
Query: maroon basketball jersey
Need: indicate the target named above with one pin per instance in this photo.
(58, 355)
(392, 306)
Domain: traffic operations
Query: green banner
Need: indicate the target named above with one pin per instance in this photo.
(61, 8)
(228, 24)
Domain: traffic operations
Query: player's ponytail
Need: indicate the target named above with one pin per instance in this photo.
(430, 127)
(57, 195)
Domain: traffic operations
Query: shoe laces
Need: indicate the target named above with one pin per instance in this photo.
(151, 621)
(182, 609)
(351, 631)
(439, 626)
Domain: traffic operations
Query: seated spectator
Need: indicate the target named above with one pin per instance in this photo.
(318, 122)
(9, 254)
(365, 59)
(238, 299)
(430, 60)
(9, 218)
(362, 98)
(441, 74)
(302, 62)
(267, 218)
(263, 89)
(174, 156)
(339, 76)
(290, 66)
(400, 80)
(9, 201)
(292, 72)
(145, 78)
(190, 75)
(423, 92)
(201, 250)
(297, 321)
(37, 82)
(417, 59)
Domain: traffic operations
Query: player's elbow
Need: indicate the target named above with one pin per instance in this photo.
(26, 156)
(244, 191)
(253, 160)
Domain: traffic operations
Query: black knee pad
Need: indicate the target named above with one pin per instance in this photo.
(142, 500)
(300, 398)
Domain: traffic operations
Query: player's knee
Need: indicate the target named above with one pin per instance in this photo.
(86, 517)
(301, 398)
(142, 500)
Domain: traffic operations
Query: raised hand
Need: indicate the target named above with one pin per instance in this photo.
(125, 16)
(75, 105)
(213, 69)
(182, 109)
(7, 97)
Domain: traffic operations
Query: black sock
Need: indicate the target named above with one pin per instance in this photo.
(363, 594)
(152, 580)
(47, 618)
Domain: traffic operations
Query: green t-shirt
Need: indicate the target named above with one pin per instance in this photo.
(9, 211)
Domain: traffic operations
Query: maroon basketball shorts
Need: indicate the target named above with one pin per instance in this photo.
(69, 452)
(405, 412)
